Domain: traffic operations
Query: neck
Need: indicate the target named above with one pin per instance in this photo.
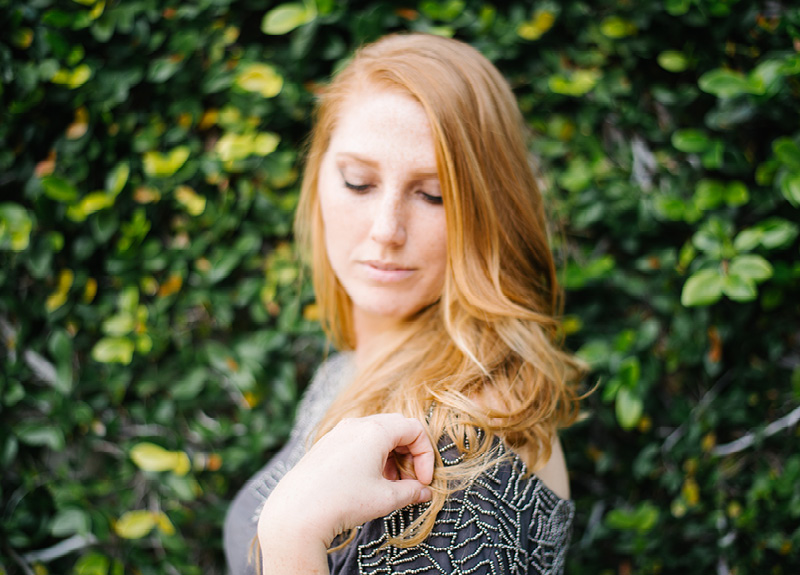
(373, 334)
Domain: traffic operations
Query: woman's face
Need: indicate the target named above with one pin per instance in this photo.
(381, 205)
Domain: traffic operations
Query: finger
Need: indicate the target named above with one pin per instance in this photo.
(409, 434)
(406, 492)
(390, 468)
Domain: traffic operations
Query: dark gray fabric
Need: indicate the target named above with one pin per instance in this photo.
(505, 522)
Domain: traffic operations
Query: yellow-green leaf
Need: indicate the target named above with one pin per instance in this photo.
(194, 203)
(113, 350)
(616, 27)
(628, 407)
(89, 204)
(540, 22)
(265, 143)
(73, 78)
(135, 524)
(164, 165)
(233, 147)
(673, 61)
(15, 227)
(260, 78)
(119, 324)
(164, 524)
(152, 457)
(182, 463)
(580, 82)
(286, 17)
(59, 296)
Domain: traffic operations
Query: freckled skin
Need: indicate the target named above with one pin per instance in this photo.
(387, 239)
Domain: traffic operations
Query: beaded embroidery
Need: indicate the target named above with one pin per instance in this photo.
(505, 522)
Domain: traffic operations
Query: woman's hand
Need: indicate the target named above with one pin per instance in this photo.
(347, 478)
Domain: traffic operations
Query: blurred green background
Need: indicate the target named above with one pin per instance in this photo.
(157, 330)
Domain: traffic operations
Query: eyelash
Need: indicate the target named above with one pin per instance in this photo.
(361, 188)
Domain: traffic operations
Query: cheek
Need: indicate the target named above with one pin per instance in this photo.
(437, 254)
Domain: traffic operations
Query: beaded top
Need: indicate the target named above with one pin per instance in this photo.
(504, 522)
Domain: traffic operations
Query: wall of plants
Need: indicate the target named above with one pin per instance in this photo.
(157, 330)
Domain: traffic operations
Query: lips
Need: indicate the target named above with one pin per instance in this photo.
(386, 272)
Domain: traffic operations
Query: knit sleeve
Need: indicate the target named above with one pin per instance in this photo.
(505, 522)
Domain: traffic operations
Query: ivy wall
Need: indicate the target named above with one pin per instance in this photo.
(157, 331)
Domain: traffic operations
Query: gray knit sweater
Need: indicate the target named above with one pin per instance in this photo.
(504, 523)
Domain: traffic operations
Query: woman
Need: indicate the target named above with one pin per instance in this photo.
(434, 432)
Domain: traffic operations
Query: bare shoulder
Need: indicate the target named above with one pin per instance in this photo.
(554, 473)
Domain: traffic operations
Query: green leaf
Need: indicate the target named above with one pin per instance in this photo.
(286, 17)
(724, 83)
(69, 522)
(91, 564)
(777, 233)
(595, 353)
(736, 194)
(673, 61)
(790, 188)
(748, 239)
(628, 407)
(629, 372)
(703, 287)
(117, 178)
(60, 346)
(41, 435)
(16, 225)
(766, 77)
(739, 288)
(113, 350)
(677, 7)
(788, 152)
(751, 267)
(190, 385)
(691, 141)
(709, 194)
(59, 189)
(642, 519)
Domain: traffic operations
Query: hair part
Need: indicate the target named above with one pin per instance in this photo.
(486, 356)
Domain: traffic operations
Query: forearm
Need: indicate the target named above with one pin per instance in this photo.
(287, 554)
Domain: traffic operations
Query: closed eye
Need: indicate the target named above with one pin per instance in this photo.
(436, 200)
(357, 187)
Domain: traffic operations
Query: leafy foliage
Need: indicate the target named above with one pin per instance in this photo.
(157, 330)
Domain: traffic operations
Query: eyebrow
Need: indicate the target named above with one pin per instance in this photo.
(423, 174)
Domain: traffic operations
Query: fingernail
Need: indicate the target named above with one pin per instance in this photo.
(425, 494)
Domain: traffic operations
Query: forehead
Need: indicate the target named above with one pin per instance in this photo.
(388, 127)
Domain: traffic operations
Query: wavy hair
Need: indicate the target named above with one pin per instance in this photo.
(484, 361)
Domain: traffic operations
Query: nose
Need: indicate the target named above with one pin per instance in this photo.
(389, 221)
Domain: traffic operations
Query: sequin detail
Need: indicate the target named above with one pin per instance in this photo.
(505, 522)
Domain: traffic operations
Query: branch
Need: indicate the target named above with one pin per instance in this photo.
(19, 560)
(61, 548)
(746, 441)
(701, 406)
